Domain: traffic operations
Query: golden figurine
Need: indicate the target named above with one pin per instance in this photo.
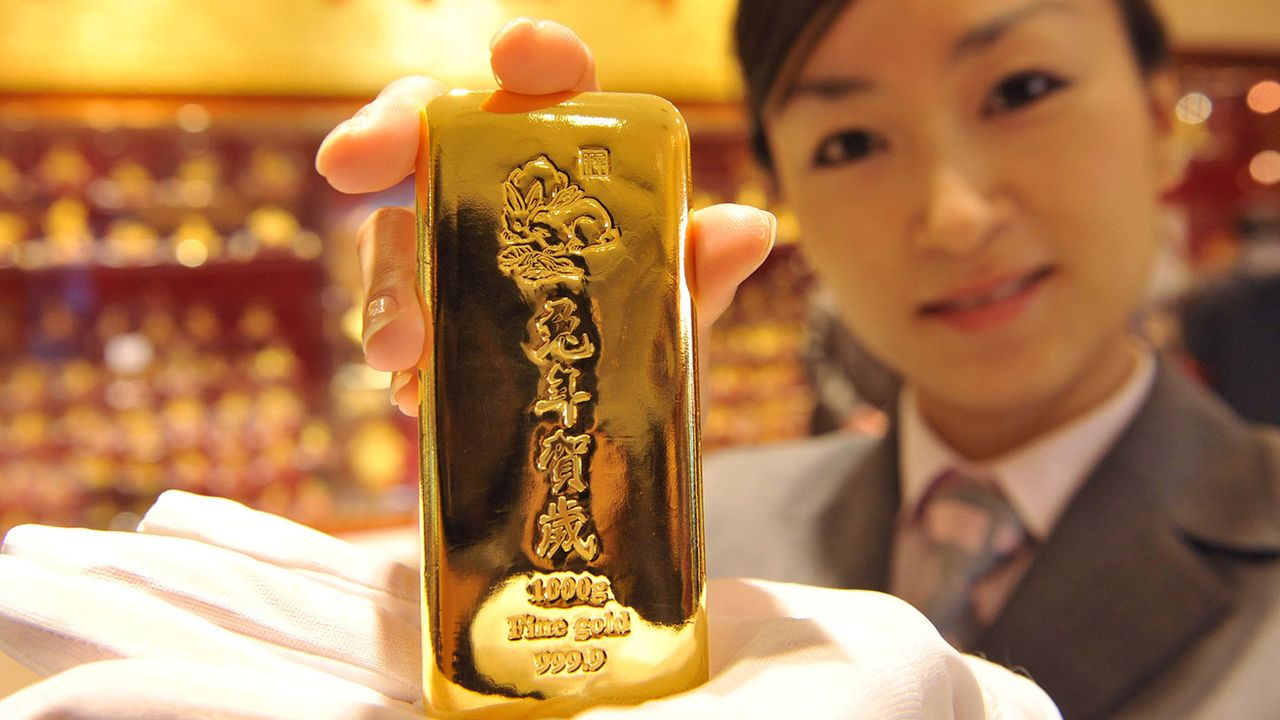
(133, 182)
(131, 243)
(195, 241)
(68, 238)
(13, 231)
(257, 325)
(378, 453)
(14, 185)
(198, 180)
(185, 421)
(63, 168)
(274, 174)
(78, 380)
(273, 227)
(561, 492)
(201, 325)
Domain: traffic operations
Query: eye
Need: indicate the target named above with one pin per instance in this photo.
(847, 146)
(1020, 90)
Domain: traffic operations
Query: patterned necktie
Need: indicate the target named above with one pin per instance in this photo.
(971, 532)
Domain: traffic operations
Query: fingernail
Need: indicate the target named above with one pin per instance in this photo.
(399, 379)
(773, 226)
(362, 119)
(508, 28)
(378, 314)
(322, 164)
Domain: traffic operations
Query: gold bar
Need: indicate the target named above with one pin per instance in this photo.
(561, 488)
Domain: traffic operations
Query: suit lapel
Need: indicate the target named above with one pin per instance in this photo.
(857, 528)
(1118, 590)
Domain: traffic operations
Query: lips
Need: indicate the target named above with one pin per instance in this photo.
(989, 303)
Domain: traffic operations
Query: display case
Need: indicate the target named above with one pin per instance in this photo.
(180, 308)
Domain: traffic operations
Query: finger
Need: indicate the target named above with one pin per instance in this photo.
(782, 661)
(404, 392)
(395, 324)
(769, 668)
(294, 617)
(376, 148)
(1010, 695)
(51, 621)
(540, 57)
(729, 243)
(280, 542)
(134, 688)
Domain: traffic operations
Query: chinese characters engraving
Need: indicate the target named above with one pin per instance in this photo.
(549, 224)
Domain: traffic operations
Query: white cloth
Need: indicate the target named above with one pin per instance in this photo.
(1040, 478)
(213, 610)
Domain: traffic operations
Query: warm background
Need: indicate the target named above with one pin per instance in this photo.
(178, 298)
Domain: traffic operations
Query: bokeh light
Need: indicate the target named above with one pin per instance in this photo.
(1264, 98)
(1265, 167)
(1194, 108)
(192, 252)
(192, 118)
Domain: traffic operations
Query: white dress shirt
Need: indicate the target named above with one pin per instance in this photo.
(1038, 479)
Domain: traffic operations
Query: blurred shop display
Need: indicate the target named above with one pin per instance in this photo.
(756, 390)
(180, 300)
(180, 308)
(1231, 324)
(1228, 124)
(1225, 325)
(166, 317)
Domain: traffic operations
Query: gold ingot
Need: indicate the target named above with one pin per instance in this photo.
(561, 487)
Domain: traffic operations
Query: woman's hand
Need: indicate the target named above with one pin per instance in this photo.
(375, 150)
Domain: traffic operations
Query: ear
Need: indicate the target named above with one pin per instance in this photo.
(1169, 155)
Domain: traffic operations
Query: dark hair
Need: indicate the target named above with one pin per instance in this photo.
(767, 32)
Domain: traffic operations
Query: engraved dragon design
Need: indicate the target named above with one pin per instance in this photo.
(547, 221)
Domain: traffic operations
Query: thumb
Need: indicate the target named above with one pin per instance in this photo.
(729, 243)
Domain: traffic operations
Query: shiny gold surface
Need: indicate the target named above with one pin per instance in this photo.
(560, 475)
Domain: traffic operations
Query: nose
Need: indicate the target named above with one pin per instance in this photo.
(960, 214)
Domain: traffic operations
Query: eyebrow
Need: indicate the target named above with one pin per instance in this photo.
(827, 88)
(990, 32)
(973, 40)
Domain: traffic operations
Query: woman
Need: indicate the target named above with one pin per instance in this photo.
(979, 186)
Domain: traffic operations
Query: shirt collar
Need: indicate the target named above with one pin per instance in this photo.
(1039, 478)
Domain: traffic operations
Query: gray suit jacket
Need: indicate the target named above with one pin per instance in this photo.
(1156, 596)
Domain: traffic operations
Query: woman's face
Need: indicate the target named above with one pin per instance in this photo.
(978, 182)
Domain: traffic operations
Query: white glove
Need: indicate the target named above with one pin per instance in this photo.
(213, 610)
